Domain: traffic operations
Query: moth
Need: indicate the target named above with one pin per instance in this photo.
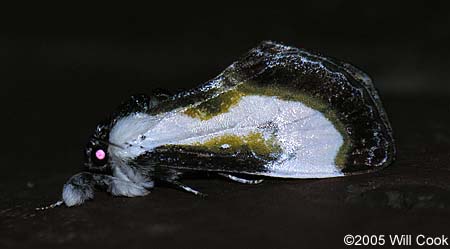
(278, 111)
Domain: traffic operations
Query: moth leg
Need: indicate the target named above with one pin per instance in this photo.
(240, 180)
(120, 187)
(183, 187)
(80, 187)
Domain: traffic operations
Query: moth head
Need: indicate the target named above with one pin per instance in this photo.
(96, 151)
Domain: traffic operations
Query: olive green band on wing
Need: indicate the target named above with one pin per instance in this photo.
(223, 102)
(344, 94)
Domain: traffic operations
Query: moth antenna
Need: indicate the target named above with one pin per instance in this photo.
(58, 203)
(116, 145)
(112, 144)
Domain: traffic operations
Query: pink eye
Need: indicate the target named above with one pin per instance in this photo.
(100, 154)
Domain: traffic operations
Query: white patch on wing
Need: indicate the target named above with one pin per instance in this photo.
(309, 141)
(225, 146)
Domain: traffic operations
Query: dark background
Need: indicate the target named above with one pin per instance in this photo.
(64, 68)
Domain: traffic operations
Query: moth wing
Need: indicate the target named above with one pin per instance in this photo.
(194, 158)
